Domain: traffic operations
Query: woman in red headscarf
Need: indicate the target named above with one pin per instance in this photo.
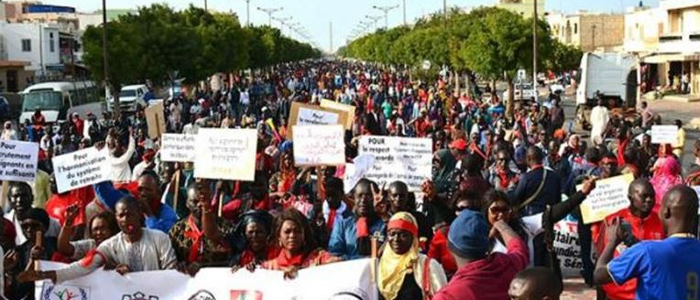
(667, 174)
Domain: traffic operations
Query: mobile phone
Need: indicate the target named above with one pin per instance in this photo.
(630, 239)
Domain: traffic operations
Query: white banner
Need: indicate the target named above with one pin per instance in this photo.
(398, 159)
(226, 154)
(18, 160)
(81, 168)
(319, 145)
(664, 134)
(567, 246)
(316, 117)
(178, 147)
(351, 277)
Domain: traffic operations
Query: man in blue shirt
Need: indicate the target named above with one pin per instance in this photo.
(666, 269)
(351, 237)
(159, 215)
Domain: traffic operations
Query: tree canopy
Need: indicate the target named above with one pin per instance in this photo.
(159, 40)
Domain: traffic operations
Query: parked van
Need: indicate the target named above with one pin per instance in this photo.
(58, 100)
(130, 97)
(611, 76)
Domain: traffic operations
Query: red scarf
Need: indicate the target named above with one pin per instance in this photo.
(284, 261)
(361, 227)
(196, 235)
(505, 182)
(331, 219)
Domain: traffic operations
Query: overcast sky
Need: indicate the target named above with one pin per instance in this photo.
(316, 15)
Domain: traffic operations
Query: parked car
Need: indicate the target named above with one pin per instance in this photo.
(130, 98)
(522, 92)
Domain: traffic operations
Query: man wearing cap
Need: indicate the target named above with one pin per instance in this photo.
(482, 275)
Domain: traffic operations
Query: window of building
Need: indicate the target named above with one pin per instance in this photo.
(52, 42)
(575, 28)
(26, 45)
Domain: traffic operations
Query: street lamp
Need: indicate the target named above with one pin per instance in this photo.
(375, 19)
(386, 10)
(247, 12)
(283, 22)
(269, 12)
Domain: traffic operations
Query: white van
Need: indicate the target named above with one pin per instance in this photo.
(607, 75)
(58, 100)
(130, 97)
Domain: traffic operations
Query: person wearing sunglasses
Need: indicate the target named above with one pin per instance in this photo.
(535, 229)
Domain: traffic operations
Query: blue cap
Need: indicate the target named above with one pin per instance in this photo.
(469, 235)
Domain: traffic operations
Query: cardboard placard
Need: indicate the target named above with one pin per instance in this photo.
(320, 145)
(608, 197)
(155, 118)
(398, 159)
(664, 134)
(326, 103)
(305, 114)
(81, 168)
(226, 154)
(18, 160)
(178, 147)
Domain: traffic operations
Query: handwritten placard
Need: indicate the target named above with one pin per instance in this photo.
(178, 147)
(398, 159)
(319, 145)
(18, 160)
(609, 196)
(305, 114)
(81, 168)
(155, 119)
(342, 107)
(664, 134)
(226, 154)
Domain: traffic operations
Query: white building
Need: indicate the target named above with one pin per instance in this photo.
(37, 44)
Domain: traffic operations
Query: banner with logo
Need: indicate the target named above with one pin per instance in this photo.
(348, 279)
(398, 159)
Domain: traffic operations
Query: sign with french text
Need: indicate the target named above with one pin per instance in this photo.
(18, 160)
(608, 197)
(178, 147)
(81, 168)
(306, 114)
(319, 145)
(398, 159)
(225, 154)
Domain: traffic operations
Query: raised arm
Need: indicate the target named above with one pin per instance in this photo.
(561, 209)
(63, 245)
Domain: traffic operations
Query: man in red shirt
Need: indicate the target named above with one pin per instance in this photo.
(482, 275)
(639, 223)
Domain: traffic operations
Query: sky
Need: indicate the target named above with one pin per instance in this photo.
(345, 15)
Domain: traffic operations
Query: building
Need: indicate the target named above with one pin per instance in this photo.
(588, 31)
(666, 40)
(95, 18)
(523, 7)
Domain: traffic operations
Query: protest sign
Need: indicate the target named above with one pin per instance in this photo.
(664, 134)
(609, 196)
(342, 107)
(304, 114)
(18, 160)
(405, 159)
(216, 283)
(357, 170)
(567, 246)
(81, 168)
(177, 147)
(155, 119)
(319, 145)
(225, 154)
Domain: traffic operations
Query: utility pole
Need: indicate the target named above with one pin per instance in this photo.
(404, 13)
(375, 19)
(534, 46)
(269, 12)
(444, 9)
(330, 27)
(105, 66)
(247, 12)
(206, 7)
(386, 10)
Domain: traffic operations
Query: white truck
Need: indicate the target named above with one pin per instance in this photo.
(130, 97)
(606, 75)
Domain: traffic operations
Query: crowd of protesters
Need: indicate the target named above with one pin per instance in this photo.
(483, 230)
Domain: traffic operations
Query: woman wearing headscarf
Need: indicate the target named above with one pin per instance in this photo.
(9, 133)
(252, 240)
(667, 174)
(404, 273)
(438, 192)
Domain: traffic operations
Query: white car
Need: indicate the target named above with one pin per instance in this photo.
(522, 92)
(130, 97)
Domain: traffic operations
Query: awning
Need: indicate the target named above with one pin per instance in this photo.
(664, 58)
(13, 64)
